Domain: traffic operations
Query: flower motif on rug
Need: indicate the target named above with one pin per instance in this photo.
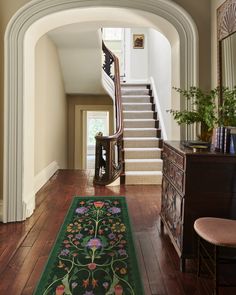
(94, 255)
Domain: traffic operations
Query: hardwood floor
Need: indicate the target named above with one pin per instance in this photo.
(25, 246)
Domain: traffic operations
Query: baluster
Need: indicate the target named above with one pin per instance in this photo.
(109, 156)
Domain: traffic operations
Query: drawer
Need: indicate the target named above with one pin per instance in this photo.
(176, 175)
(173, 156)
(172, 211)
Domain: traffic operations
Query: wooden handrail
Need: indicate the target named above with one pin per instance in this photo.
(109, 156)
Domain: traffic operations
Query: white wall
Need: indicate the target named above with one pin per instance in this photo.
(160, 70)
(136, 59)
(50, 108)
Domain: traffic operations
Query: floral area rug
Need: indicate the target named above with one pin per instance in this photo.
(94, 252)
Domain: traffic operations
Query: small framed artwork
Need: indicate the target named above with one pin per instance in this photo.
(138, 41)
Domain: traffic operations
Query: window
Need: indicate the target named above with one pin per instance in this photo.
(96, 122)
(112, 33)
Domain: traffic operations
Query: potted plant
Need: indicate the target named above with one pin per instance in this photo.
(203, 111)
(227, 111)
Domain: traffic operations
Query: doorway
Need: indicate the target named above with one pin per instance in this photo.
(96, 121)
(23, 30)
(87, 122)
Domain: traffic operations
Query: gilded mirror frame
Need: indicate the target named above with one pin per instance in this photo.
(226, 26)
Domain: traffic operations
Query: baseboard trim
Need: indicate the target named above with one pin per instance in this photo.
(115, 183)
(43, 176)
(158, 108)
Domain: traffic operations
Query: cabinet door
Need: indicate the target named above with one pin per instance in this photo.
(174, 174)
(172, 211)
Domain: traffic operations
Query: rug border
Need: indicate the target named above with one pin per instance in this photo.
(132, 247)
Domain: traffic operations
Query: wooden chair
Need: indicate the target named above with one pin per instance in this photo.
(220, 233)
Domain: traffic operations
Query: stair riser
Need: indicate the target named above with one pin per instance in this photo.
(141, 144)
(135, 85)
(138, 124)
(133, 107)
(138, 115)
(143, 179)
(140, 133)
(135, 91)
(142, 155)
(143, 166)
(136, 99)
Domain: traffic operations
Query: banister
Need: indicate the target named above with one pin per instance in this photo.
(108, 155)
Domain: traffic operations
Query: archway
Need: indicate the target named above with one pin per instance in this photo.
(18, 195)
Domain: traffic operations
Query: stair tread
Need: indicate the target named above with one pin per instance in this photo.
(135, 95)
(141, 128)
(143, 173)
(143, 160)
(142, 149)
(141, 138)
(139, 120)
(137, 111)
(136, 103)
(134, 84)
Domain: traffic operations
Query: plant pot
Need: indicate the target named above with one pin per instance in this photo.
(205, 134)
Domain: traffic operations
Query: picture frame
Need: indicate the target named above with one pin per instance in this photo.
(138, 41)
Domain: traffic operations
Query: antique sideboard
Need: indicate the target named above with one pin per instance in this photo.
(195, 184)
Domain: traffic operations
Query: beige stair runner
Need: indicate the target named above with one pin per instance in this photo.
(142, 152)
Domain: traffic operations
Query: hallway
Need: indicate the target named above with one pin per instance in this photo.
(24, 247)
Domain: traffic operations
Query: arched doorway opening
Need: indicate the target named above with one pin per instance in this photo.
(23, 31)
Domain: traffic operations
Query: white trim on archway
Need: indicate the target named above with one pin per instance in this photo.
(18, 199)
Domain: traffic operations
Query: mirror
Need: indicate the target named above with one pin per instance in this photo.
(228, 61)
(226, 34)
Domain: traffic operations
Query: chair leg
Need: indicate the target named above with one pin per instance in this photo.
(216, 271)
(198, 256)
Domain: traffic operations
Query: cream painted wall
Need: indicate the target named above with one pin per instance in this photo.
(50, 108)
(214, 5)
(200, 11)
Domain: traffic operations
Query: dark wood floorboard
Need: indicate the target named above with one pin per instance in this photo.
(25, 246)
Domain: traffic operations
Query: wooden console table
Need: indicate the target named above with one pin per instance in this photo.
(195, 184)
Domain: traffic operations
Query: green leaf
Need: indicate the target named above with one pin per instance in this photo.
(65, 282)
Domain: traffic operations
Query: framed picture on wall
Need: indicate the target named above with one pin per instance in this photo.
(138, 41)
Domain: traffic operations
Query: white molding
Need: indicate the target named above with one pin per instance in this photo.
(114, 183)
(158, 109)
(29, 205)
(78, 144)
(43, 176)
(17, 171)
(108, 85)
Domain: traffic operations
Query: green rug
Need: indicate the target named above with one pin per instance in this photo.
(94, 252)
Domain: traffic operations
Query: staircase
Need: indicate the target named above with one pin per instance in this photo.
(142, 137)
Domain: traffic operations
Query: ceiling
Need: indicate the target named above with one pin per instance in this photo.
(79, 44)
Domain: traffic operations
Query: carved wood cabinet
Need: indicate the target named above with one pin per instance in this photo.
(195, 184)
